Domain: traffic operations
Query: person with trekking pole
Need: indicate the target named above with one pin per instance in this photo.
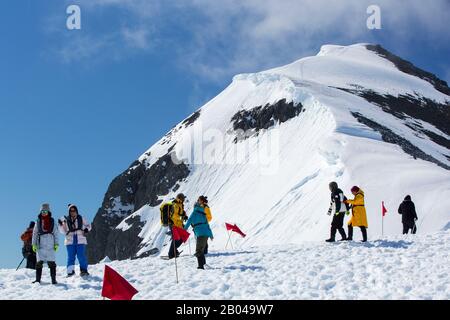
(27, 249)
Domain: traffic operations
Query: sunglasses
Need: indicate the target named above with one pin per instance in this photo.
(44, 211)
(73, 210)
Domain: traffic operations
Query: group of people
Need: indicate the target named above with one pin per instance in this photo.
(174, 215)
(340, 206)
(41, 242)
(41, 239)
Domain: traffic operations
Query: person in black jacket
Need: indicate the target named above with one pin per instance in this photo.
(338, 209)
(409, 215)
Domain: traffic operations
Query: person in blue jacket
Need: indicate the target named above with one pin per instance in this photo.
(199, 219)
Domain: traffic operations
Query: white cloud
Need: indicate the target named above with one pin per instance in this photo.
(231, 36)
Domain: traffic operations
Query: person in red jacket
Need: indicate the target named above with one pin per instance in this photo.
(27, 250)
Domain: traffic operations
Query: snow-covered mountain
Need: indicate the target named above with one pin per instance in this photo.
(272, 141)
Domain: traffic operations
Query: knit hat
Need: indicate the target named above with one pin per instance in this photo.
(181, 196)
(355, 189)
(45, 207)
(203, 198)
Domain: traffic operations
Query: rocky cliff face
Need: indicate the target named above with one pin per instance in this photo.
(137, 186)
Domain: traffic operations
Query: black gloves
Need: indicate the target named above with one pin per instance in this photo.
(60, 222)
(185, 217)
(86, 230)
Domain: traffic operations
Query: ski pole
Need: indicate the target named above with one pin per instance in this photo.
(175, 253)
(189, 241)
(20, 264)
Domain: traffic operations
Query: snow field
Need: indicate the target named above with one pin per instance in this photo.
(399, 267)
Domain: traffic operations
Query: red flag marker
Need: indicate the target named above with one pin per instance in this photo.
(115, 287)
(235, 228)
(180, 234)
(383, 209)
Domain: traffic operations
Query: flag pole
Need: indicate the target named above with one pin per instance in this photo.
(229, 236)
(231, 242)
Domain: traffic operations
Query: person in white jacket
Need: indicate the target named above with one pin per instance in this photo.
(75, 229)
(45, 243)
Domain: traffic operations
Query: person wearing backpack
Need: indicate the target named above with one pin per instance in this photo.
(409, 216)
(338, 210)
(27, 250)
(45, 243)
(75, 229)
(173, 214)
(359, 217)
(199, 220)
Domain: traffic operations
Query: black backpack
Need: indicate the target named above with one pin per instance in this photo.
(166, 210)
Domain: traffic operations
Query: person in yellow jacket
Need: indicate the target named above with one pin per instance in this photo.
(359, 217)
(177, 216)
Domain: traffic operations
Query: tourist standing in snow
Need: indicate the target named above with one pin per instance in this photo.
(27, 249)
(45, 243)
(359, 217)
(199, 219)
(409, 216)
(75, 229)
(337, 209)
(177, 215)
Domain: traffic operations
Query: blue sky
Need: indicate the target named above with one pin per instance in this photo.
(77, 107)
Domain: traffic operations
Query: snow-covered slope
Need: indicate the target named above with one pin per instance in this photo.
(400, 267)
(358, 115)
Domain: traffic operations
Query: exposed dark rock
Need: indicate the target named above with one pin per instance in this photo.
(158, 180)
(136, 187)
(409, 68)
(191, 119)
(124, 244)
(108, 217)
(264, 117)
(405, 106)
(390, 137)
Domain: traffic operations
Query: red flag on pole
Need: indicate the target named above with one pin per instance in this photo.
(235, 228)
(383, 209)
(115, 287)
(180, 234)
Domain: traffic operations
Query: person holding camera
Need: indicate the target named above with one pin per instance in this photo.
(75, 229)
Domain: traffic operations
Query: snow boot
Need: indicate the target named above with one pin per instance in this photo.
(53, 272)
(71, 274)
(84, 273)
(332, 234)
(364, 234)
(342, 233)
(38, 275)
(350, 233)
(201, 262)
